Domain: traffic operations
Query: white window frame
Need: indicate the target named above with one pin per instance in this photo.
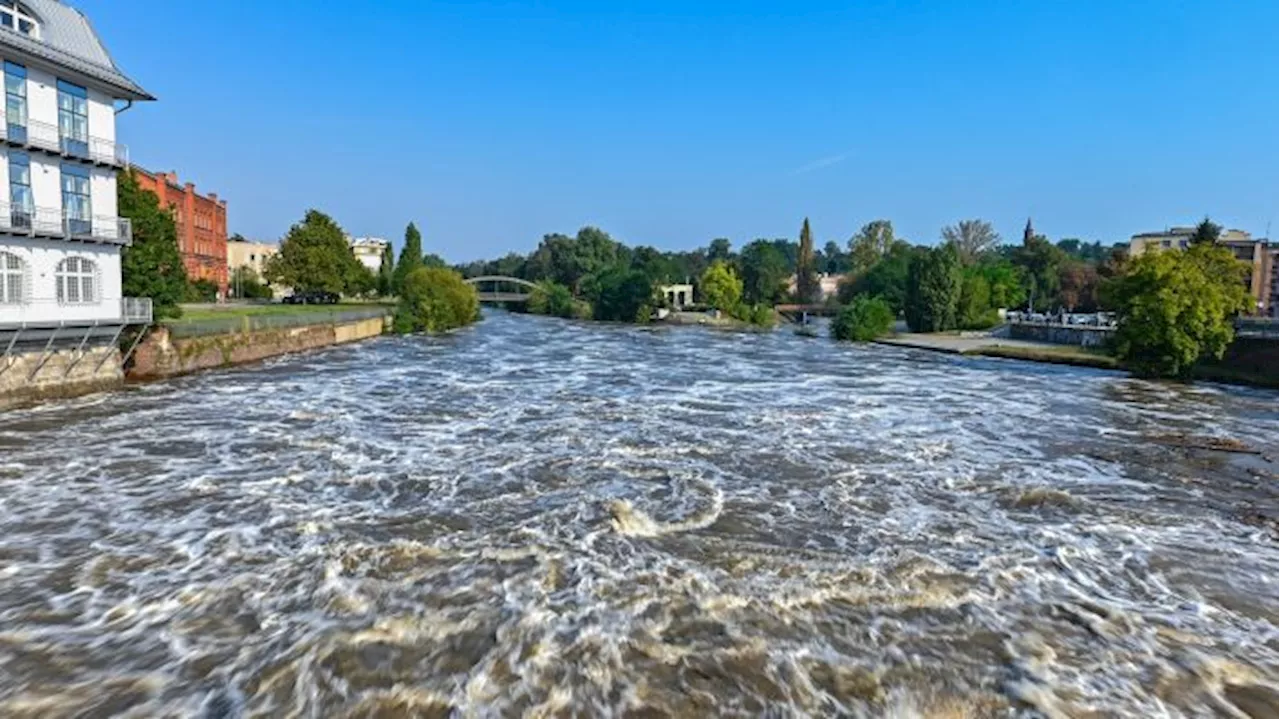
(13, 279)
(20, 14)
(78, 276)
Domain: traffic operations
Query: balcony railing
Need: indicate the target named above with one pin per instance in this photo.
(135, 310)
(53, 222)
(46, 136)
(45, 311)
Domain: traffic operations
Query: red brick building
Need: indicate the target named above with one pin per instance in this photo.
(202, 225)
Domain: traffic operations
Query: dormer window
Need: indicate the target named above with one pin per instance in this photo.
(16, 16)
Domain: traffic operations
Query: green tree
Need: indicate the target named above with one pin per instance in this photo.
(972, 238)
(620, 294)
(1040, 261)
(721, 287)
(933, 290)
(245, 284)
(1006, 285)
(807, 289)
(151, 266)
(837, 262)
(314, 255)
(387, 272)
(435, 299)
(870, 244)
(410, 257)
(862, 320)
(887, 278)
(720, 249)
(201, 290)
(763, 269)
(656, 265)
(1176, 309)
(1207, 233)
(974, 310)
(554, 299)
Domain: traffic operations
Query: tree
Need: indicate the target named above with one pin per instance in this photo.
(620, 294)
(837, 262)
(314, 255)
(870, 244)
(410, 256)
(807, 289)
(1005, 283)
(245, 284)
(1207, 233)
(764, 272)
(1078, 285)
(554, 299)
(656, 265)
(972, 238)
(974, 310)
(721, 287)
(887, 279)
(435, 299)
(719, 249)
(1040, 261)
(862, 320)
(151, 266)
(933, 290)
(387, 272)
(1176, 309)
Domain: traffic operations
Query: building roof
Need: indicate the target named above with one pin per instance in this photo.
(68, 40)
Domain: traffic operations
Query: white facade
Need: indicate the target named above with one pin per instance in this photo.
(368, 250)
(60, 233)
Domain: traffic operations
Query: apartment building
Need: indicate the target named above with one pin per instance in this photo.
(201, 223)
(368, 250)
(1257, 254)
(247, 253)
(60, 235)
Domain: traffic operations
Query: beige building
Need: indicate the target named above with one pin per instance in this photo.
(1258, 254)
(249, 254)
(828, 285)
(368, 250)
(678, 296)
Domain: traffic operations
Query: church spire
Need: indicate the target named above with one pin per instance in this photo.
(1028, 234)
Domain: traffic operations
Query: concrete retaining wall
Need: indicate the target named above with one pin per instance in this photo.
(162, 356)
(1080, 336)
(65, 373)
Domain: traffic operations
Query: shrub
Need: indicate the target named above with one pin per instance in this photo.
(435, 299)
(720, 287)
(201, 291)
(863, 319)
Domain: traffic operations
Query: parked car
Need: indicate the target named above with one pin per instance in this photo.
(312, 297)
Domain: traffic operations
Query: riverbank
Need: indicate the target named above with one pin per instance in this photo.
(1247, 362)
(175, 349)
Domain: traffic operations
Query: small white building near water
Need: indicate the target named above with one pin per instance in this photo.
(828, 285)
(678, 296)
(369, 251)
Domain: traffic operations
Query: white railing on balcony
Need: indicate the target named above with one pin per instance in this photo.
(135, 310)
(43, 310)
(46, 136)
(54, 222)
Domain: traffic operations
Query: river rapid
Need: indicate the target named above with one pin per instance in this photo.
(554, 518)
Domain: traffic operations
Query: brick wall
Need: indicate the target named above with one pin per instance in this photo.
(202, 225)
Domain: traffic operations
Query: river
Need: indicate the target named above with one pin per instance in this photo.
(541, 516)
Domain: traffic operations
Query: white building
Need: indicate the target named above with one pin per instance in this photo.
(60, 234)
(369, 251)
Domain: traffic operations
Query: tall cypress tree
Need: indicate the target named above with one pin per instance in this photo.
(387, 271)
(410, 256)
(806, 280)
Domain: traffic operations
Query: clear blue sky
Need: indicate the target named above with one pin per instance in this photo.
(491, 124)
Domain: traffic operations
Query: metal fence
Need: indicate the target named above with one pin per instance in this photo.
(271, 321)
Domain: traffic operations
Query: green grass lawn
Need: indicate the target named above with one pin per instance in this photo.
(205, 312)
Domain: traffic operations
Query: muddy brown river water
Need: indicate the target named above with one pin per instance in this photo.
(553, 519)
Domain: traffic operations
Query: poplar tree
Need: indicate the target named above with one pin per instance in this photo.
(410, 257)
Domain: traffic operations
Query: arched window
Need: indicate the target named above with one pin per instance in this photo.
(12, 279)
(16, 16)
(77, 280)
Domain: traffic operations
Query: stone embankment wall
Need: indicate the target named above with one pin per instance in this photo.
(65, 373)
(163, 356)
(1078, 335)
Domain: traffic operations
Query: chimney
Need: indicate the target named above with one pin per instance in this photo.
(213, 196)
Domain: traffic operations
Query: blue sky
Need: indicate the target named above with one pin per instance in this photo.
(669, 123)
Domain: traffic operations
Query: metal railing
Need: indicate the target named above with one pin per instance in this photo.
(55, 222)
(240, 322)
(135, 310)
(46, 136)
(48, 311)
